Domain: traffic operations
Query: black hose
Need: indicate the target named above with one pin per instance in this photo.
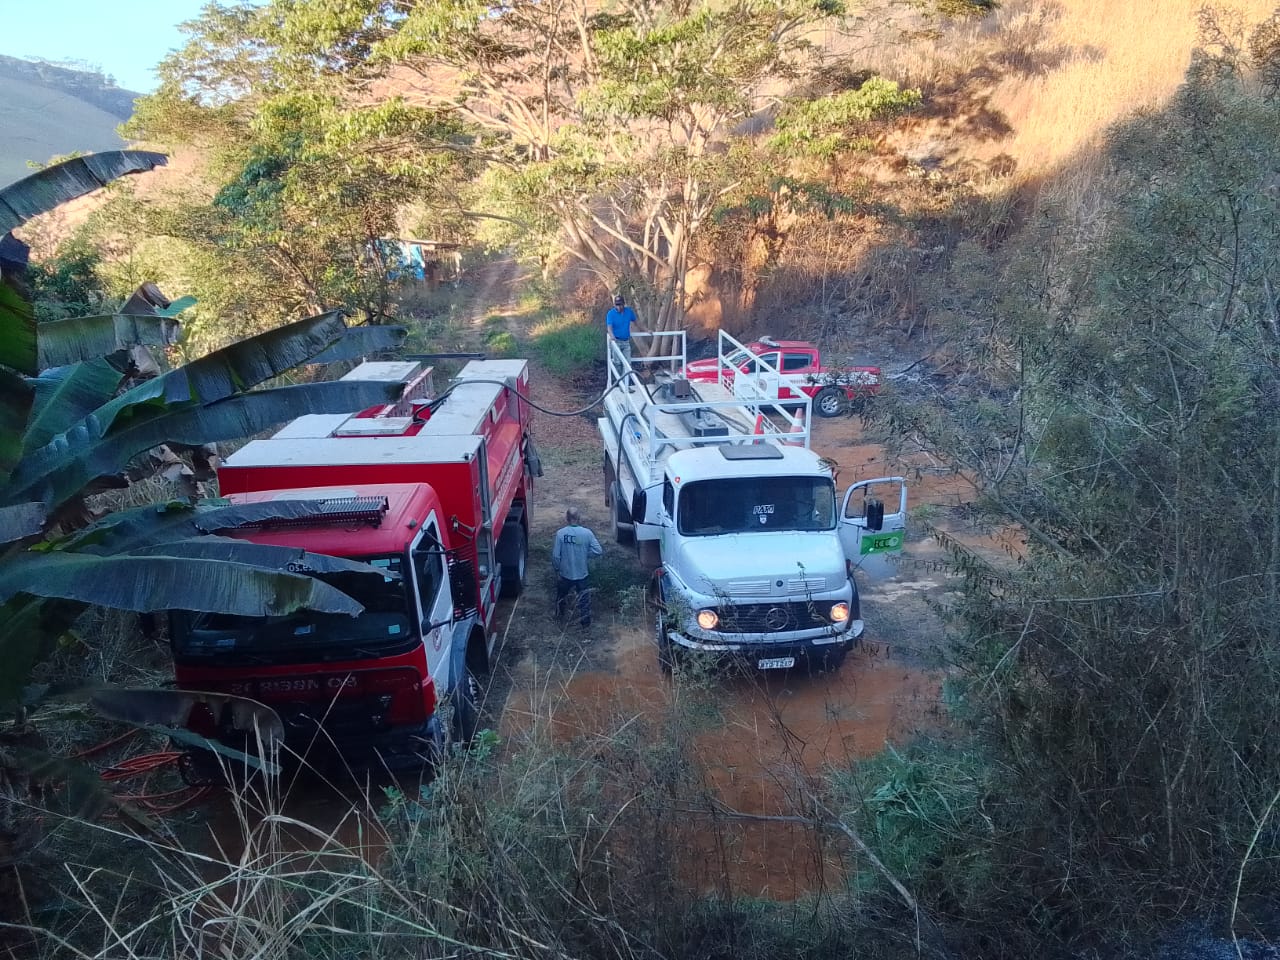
(436, 401)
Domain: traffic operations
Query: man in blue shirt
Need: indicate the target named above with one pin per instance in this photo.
(573, 546)
(619, 321)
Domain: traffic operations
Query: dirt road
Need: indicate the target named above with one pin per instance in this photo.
(772, 734)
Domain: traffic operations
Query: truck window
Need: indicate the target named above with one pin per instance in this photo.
(770, 358)
(795, 362)
(757, 504)
(428, 568)
(669, 497)
(306, 635)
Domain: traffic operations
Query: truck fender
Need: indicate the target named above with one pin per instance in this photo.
(462, 632)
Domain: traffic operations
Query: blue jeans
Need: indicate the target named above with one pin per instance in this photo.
(564, 588)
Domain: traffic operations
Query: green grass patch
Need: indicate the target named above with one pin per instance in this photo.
(568, 345)
(501, 343)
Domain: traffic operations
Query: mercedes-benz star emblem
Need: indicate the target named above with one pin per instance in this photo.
(776, 618)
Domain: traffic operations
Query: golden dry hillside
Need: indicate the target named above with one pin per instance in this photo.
(1049, 77)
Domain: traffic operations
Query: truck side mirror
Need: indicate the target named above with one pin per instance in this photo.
(874, 514)
(639, 505)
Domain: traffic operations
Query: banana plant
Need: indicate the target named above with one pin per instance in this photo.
(72, 430)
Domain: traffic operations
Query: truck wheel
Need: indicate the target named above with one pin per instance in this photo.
(513, 556)
(666, 651)
(830, 402)
(466, 709)
(623, 531)
(609, 478)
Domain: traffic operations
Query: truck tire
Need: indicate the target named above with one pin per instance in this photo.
(609, 480)
(623, 531)
(830, 402)
(666, 649)
(513, 556)
(466, 709)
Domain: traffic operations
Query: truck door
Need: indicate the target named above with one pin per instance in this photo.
(798, 368)
(873, 524)
(434, 600)
(756, 381)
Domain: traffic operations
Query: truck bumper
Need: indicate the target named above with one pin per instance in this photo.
(755, 650)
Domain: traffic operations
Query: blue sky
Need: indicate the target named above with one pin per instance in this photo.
(125, 38)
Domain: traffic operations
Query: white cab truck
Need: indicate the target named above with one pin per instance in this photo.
(717, 486)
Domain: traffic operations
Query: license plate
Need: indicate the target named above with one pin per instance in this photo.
(776, 663)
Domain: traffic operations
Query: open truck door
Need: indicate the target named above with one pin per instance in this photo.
(873, 524)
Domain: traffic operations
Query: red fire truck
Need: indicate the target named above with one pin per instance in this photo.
(436, 492)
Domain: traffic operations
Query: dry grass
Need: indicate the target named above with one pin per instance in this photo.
(1057, 73)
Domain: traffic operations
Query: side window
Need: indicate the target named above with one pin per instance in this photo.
(794, 362)
(669, 497)
(428, 568)
(770, 358)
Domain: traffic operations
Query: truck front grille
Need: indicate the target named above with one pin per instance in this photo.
(773, 617)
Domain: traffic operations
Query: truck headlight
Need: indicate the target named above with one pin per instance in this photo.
(709, 619)
(839, 612)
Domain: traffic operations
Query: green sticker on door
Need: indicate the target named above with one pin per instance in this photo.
(882, 541)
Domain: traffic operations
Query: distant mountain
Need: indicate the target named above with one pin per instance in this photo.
(47, 110)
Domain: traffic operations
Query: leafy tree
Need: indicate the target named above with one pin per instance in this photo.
(1124, 410)
(609, 128)
(301, 176)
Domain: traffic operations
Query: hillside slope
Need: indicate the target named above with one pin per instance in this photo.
(48, 110)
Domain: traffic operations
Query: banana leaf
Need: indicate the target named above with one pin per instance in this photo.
(151, 584)
(65, 396)
(17, 330)
(28, 628)
(219, 375)
(16, 400)
(131, 531)
(84, 338)
(21, 520)
(226, 372)
(362, 341)
(56, 184)
(84, 795)
(267, 556)
(172, 709)
(61, 469)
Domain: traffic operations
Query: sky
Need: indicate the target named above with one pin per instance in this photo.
(124, 38)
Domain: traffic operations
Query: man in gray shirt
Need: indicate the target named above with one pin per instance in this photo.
(574, 545)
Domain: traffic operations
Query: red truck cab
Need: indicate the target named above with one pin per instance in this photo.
(366, 687)
(832, 389)
(436, 491)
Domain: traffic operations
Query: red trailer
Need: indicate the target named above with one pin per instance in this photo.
(437, 491)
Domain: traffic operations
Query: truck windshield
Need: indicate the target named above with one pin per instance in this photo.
(754, 504)
(306, 635)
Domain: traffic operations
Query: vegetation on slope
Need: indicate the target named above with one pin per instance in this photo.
(1111, 383)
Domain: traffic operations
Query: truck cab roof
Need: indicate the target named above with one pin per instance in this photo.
(408, 506)
(774, 460)
(765, 344)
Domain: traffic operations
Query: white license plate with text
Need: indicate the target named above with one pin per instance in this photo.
(776, 663)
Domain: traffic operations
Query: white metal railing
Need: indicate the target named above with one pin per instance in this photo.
(755, 397)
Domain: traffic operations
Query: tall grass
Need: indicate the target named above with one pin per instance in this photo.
(555, 843)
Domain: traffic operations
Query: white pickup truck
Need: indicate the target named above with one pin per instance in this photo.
(716, 482)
